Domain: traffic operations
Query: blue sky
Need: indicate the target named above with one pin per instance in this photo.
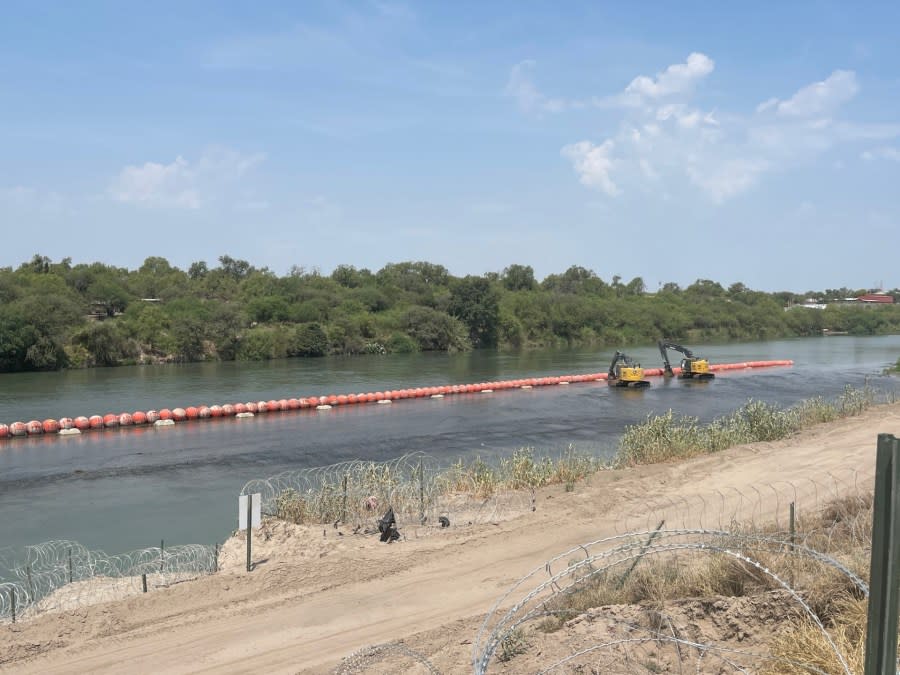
(756, 143)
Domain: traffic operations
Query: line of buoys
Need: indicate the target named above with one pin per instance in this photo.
(321, 403)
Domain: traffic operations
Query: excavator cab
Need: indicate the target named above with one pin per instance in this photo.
(692, 367)
(624, 372)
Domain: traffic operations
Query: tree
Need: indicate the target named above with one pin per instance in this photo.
(433, 330)
(198, 270)
(104, 342)
(518, 278)
(475, 302)
(309, 339)
(635, 287)
(236, 269)
(40, 264)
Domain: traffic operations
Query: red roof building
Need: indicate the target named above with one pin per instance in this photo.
(876, 297)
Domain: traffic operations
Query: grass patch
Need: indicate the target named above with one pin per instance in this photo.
(662, 438)
(346, 493)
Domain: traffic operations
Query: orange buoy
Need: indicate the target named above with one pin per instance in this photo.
(153, 416)
(165, 414)
(66, 423)
(341, 399)
(264, 406)
(110, 421)
(240, 408)
(82, 423)
(293, 404)
(284, 404)
(250, 406)
(96, 421)
(179, 414)
(50, 426)
(139, 417)
(125, 419)
(18, 429)
(351, 399)
(34, 427)
(215, 410)
(204, 412)
(4, 430)
(228, 410)
(191, 412)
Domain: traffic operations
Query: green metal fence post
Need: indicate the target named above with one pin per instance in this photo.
(884, 580)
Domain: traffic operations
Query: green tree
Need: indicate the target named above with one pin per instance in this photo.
(475, 302)
(518, 278)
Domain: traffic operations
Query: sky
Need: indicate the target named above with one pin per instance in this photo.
(752, 142)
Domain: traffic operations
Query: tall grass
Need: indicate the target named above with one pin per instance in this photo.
(660, 438)
(666, 437)
(410, 491)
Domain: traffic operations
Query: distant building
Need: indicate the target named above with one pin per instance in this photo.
(883, 298)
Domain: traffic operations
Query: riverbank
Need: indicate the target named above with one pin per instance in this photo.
(317, 596)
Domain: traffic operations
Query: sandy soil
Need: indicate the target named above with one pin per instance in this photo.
(327, 599)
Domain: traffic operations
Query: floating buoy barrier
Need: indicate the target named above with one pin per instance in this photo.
(167, 417)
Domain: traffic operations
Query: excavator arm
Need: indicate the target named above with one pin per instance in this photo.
(612, 366)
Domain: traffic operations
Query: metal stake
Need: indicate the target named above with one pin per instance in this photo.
(884, 587)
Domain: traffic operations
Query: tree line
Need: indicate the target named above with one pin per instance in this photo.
(57, 315)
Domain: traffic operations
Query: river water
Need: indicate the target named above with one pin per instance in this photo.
(127, 489)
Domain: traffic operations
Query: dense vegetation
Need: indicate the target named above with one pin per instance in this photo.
(57, 315)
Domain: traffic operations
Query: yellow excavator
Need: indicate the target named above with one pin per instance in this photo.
(624, 372)
(692, 367)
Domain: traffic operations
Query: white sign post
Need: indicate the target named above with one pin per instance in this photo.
(249, 516)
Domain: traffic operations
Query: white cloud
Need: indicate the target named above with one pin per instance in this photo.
(818, 98)
(528, 96)
(182, 184)
(593, 164)
(664, 138)
(882, 153)
(679, 78)
(767, 105)
(725, 179)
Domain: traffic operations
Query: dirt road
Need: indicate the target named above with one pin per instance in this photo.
(316, 597)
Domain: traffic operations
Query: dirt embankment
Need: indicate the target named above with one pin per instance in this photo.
(317, 596)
